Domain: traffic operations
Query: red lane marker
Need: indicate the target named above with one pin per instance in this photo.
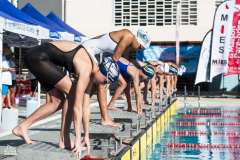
(88, 157)
(190, 116)
(214, 111)
(192, 123)
(203, 133)
(203, 146)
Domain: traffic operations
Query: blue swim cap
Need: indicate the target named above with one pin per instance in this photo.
(109, 68)
(149, 71)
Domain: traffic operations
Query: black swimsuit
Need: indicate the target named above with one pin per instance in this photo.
(44, 62)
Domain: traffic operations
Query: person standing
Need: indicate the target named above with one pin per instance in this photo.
(13, 87)
(6, 76)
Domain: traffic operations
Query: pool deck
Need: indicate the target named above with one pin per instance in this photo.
(106, 142)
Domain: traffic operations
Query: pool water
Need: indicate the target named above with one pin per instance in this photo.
(211, 133)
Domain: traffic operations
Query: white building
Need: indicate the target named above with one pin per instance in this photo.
(158, 17)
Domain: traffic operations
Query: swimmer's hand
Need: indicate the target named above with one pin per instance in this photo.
(77, 148)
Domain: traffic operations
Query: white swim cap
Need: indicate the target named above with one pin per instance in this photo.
(143, 38)
(166, 68)
(182, 70)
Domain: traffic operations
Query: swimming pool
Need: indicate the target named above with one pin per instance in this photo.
(211, 133)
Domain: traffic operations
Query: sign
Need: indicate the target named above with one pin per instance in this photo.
(219, 56)
(233, 47)
(21, 28)
(203, 69)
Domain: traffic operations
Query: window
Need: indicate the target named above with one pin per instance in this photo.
(155, 12)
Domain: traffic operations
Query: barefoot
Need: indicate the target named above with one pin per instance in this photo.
(110, 123)
(66, 144)
(61, 144)
(22, 133)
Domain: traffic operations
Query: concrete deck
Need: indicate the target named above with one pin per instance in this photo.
(102, 139)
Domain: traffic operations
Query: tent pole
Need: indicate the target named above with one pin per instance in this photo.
(64, 11)
(20, 61)
(1, 51)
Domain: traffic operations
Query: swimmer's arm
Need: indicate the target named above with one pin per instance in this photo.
(136, 84)
(86, 112)
(122, 85)
(123, 44)
(78, 104)
(86, 108)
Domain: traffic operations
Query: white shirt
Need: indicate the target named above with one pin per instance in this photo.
(6, 75)
(12, 65)
(96, 46)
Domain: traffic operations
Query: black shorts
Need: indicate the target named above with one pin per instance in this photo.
(41, 65)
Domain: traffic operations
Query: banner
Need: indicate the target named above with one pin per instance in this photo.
(219, 56)
(21, 28)
(203, 69)
(233, 45)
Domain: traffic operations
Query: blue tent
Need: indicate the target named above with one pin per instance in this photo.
(6, 16)
(18, 29)
(34, 13)
(12, 11)
(14, 14)
(18, 23)
(57, 20)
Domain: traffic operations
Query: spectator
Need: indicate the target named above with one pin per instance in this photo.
(6, 76)
(13, 87)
